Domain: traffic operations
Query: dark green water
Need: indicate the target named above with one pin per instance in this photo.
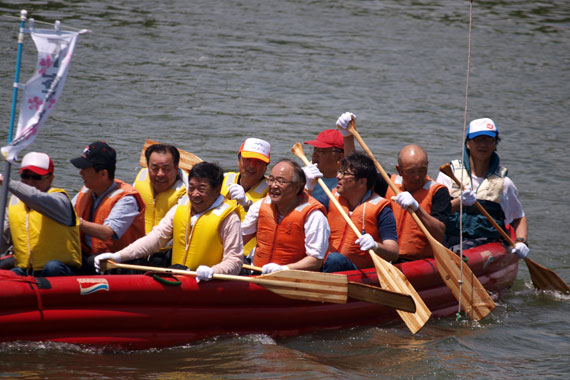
(204, 75)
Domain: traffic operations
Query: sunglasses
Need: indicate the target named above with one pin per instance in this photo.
(35, 177)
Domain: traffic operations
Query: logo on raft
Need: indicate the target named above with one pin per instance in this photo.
(92, 285)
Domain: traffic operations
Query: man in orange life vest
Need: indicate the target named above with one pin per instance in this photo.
(291, 227)
(369, 212)
(429, 200)
(111, 211)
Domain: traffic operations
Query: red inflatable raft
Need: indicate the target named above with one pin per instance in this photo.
(137, 311)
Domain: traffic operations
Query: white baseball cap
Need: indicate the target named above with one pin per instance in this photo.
(36, 162)
(482, 127)
(256, 148)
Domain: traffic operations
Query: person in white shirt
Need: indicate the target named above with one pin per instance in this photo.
(291, 227)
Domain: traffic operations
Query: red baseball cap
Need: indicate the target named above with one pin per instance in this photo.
(329, 138)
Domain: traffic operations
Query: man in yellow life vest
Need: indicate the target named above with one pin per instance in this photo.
(161, 184)
(42, 223)
(291, 227)
(248, 185)
(204, 227)
(111, 211)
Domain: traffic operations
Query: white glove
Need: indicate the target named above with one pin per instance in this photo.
(343, 121)
(405, 200)
(468, 197)
(521, 249)
(238, 193)
(366, 242)
(272, 267)
(106, 256)
(204, 273)
(312, 173)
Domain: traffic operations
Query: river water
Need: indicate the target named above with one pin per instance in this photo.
(204, 75)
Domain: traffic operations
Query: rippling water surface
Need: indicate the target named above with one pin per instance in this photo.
(206, 74)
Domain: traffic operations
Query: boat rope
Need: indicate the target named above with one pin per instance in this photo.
(53, 24)
(458, 316)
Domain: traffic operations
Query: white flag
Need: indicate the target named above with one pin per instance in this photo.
(42, 91)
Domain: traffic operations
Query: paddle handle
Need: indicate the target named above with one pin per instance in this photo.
(446, 169)
(386, 177)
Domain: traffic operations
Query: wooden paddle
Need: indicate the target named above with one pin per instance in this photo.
(473, 297)
(542, 277)
(389, 276)
(370, 294)
(187, 159)
(320, 287)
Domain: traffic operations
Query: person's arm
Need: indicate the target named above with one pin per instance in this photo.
(349, 146)
(55, 206)
(159, 236)
(512, 207)
(230, 232)
(521, 229)
(249, 224)
(388, 247)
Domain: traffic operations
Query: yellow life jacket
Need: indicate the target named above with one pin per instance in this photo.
(201, 243)
(38, 239)
(157, 207)
(257, 192)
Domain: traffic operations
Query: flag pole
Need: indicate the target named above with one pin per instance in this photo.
(4, 191)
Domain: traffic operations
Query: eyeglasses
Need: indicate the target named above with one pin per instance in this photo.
(279, 180)
(344, 173)
(35, 177)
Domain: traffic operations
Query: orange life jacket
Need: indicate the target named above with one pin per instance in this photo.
(283, 243)
(83, 207)
(342, 237)
(412, 242)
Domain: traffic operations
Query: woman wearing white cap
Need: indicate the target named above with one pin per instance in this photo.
(486, 181)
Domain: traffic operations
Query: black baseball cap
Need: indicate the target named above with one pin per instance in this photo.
(97, 153)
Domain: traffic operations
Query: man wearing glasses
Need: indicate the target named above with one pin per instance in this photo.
(429, 200)
(291, 227)
(204, 228)
(42, 223)
(369, 212)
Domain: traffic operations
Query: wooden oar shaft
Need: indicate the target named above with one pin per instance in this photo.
(290, 284)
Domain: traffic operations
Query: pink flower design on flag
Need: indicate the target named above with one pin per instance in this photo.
(35, 102)
(51, 103)
(46, 64)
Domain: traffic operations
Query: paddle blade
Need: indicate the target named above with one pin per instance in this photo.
(545, 279)
(307, 286)
(475, 301)
(186, 162)
(379, 296)
(393, 279)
